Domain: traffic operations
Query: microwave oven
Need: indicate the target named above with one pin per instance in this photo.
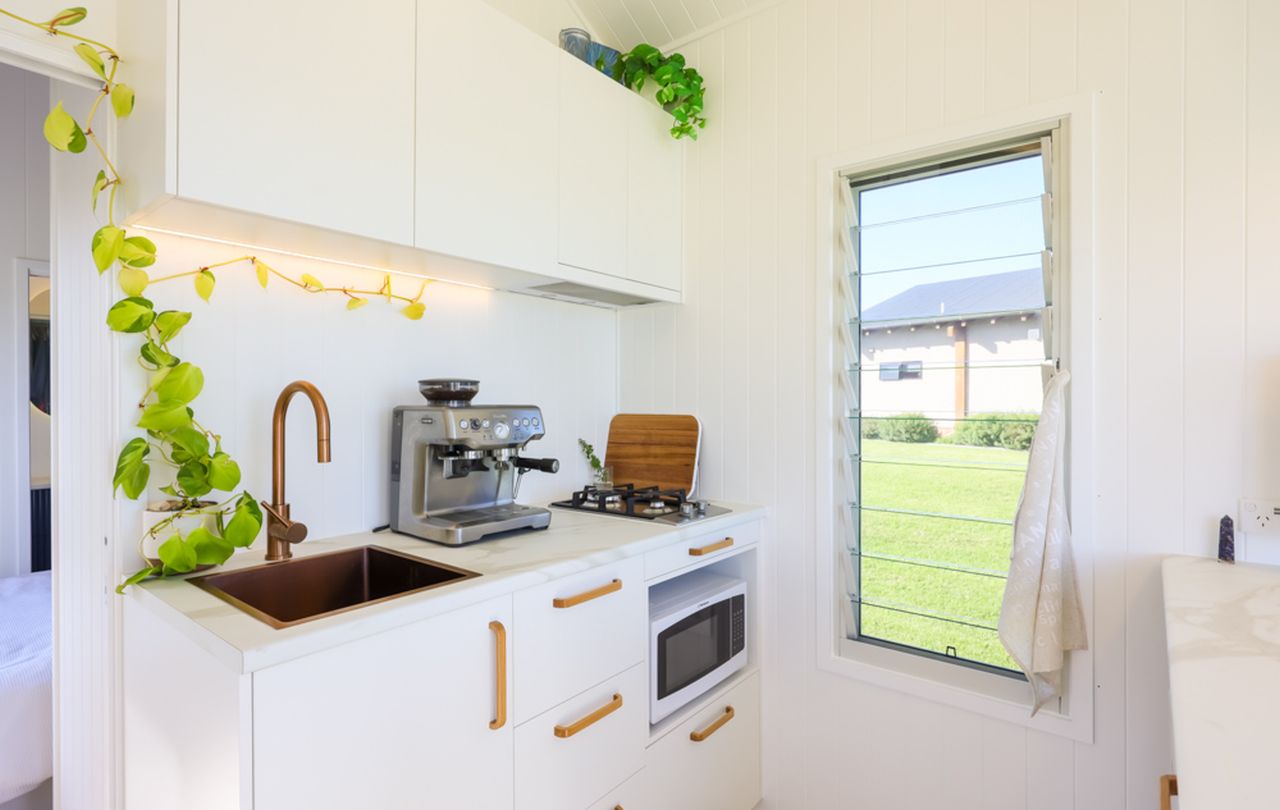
(697, 637)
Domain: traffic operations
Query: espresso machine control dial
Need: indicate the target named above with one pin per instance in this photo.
(500, 430)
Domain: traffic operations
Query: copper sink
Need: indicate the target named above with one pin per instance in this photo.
(298, 590)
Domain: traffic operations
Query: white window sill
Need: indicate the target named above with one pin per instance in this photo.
(995, 696)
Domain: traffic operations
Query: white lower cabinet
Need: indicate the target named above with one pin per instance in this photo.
(630, 795)
(568, 757)
(403, 719)
(711, 761)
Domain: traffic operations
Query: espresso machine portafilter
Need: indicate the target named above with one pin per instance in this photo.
(456, 467)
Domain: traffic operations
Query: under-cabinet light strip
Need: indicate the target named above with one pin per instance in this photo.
(309, 257)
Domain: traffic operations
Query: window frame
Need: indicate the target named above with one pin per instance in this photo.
(985, 692)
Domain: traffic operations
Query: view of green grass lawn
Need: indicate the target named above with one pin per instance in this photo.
(941, 479)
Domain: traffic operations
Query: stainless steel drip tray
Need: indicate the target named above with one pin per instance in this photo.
(468, 524)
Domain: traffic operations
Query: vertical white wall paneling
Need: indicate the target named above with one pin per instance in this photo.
(926, 45)
(888, 69)
(1007, 54)
(1156, 338)
(710, 268)
(1051, 50)
(854, 59)
(675, 18)
(965, 85)
(1215, 265)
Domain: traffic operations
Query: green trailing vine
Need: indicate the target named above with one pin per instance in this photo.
(172, 436)
(679, 87)
(589, 453)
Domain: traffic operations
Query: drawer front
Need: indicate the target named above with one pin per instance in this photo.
(700, 549)
(575, 753)
(630, 795)
(721, 771)
(575, 632)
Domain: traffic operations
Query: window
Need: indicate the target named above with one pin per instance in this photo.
(950, 272)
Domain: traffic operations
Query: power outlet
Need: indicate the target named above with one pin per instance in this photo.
(1259, 517)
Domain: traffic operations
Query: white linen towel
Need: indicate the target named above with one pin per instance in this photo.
(26, 677)
(1041, 618)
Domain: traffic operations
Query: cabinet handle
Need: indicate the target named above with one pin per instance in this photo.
(699, 736)
(1168, 789)
(500, 647)
(714, 547)
(607, 709)
(587, 596)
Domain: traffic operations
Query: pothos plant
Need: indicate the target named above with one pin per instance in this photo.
(172, 436)
(679, 87)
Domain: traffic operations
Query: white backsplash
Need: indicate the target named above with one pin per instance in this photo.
(251, 342)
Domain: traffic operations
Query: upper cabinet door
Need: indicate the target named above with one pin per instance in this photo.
(655, 193)
(594, 119)
(486, 137)
(300, 111)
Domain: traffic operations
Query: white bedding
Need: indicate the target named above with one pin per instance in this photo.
(26, 681)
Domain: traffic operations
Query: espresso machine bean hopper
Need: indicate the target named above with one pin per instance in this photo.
(456, 467)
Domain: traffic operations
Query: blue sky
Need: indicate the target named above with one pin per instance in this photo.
(894, 236)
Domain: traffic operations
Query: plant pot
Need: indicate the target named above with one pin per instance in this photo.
(158, 512)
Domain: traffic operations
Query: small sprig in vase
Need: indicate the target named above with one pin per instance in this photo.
(601, 476)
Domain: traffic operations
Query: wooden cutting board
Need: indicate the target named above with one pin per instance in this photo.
(660, 450)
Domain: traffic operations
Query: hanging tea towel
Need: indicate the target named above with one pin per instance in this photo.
(1040, 618)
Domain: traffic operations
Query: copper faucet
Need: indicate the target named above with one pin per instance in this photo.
(281, 531)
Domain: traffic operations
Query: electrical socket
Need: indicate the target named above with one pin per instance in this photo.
(1259, 517)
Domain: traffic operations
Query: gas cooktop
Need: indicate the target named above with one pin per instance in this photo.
(646, 503)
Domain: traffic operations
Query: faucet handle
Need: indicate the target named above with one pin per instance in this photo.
(282, 527)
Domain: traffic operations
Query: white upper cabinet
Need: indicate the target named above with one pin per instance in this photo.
(300, 111)
(655, 199)
(486, 137)
(595, 116)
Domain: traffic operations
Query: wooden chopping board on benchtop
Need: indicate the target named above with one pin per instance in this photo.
(649, 449)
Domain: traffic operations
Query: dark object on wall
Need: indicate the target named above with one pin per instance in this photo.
(41, 530)
(40, 365)
(1226, 540)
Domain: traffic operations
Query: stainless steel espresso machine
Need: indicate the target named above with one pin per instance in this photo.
(456, 467)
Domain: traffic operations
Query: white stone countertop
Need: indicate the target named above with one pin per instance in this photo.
(1222, 623)
(574, 542)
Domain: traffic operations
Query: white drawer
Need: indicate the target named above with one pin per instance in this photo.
(582, 748)
(720, 772)
(699, 549)
(630, 795)
(575, 632)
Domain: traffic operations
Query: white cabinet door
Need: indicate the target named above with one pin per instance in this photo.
(291, 110)
(594, 119)
(655, 193)
(487, 178)
(394, 721)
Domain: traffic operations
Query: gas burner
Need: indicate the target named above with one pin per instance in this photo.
(648, 503)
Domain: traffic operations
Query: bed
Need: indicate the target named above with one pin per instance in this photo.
(26, 677)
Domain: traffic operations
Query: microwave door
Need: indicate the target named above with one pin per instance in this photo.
(693, 647)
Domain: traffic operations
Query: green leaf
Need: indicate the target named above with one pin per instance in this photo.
(193, 479)
(133, 314)
(182, 384)
(68, 16)
(263, 272)
(178, 557)
(133, 281)
(122, 99)
(210, 549)
(62, 132)
(107, 242)
(138, 576)
(164, 416)
(414, 311)
(170, 323)
(193, 442)
(356, 303)
(138, 251)
(204, 284)
(91, 58)
(224, 473)
(99, 185)
(156, 356)
(244, 526)
(132, 470)
(312, 283)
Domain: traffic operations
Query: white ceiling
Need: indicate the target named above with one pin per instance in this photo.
(624, 23)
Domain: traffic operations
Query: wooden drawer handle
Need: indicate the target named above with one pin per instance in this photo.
(1168, 789)
(500, 678)
(587, 596)
(711, 549)
(604, 711)
(699, 736)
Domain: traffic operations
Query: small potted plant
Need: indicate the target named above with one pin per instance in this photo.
(601, 476)
(676, 87)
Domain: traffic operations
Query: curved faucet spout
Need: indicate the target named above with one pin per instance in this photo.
(280, 529)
